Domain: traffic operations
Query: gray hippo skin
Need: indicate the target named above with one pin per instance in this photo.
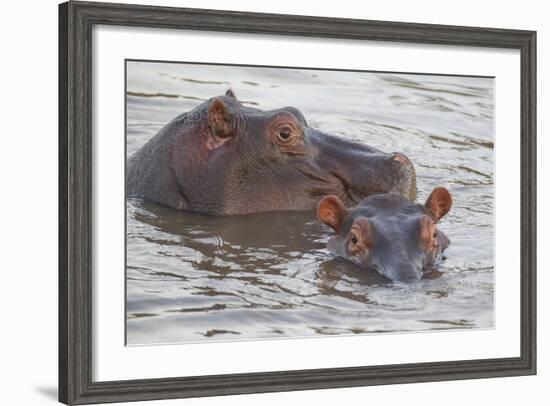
(224, 158)
(388, 233)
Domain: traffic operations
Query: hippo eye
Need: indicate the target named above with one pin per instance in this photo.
(285, 134)
(354, 239)
(435, 234)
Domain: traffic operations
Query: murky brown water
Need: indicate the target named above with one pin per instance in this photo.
(193, 277)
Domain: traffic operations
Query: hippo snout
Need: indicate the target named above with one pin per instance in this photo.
(377, 173)
(404, 272)
(405, 176)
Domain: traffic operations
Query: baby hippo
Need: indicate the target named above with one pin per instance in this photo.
(388, 233)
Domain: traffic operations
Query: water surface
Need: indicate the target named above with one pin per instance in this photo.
(193, 277)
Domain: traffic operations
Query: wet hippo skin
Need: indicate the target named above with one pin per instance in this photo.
(224, 158)
(388, 233)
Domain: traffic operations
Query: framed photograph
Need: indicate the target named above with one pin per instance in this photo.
(259, 202)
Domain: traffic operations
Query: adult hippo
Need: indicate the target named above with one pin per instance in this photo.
(224, 158)
(388, 233)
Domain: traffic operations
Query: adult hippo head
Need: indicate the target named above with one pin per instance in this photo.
(388, 233)
(224, 158)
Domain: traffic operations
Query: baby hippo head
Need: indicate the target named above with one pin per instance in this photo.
(388, 233)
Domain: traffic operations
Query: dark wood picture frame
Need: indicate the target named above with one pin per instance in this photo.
(76, 20)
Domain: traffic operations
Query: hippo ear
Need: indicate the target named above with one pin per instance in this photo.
(331, 211)
(230, 93)
(219, 118)
(439, 203)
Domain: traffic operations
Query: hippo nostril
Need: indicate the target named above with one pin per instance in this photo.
(402, 159)
(407, 175)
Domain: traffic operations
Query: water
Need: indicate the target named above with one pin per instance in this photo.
(192, 277)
